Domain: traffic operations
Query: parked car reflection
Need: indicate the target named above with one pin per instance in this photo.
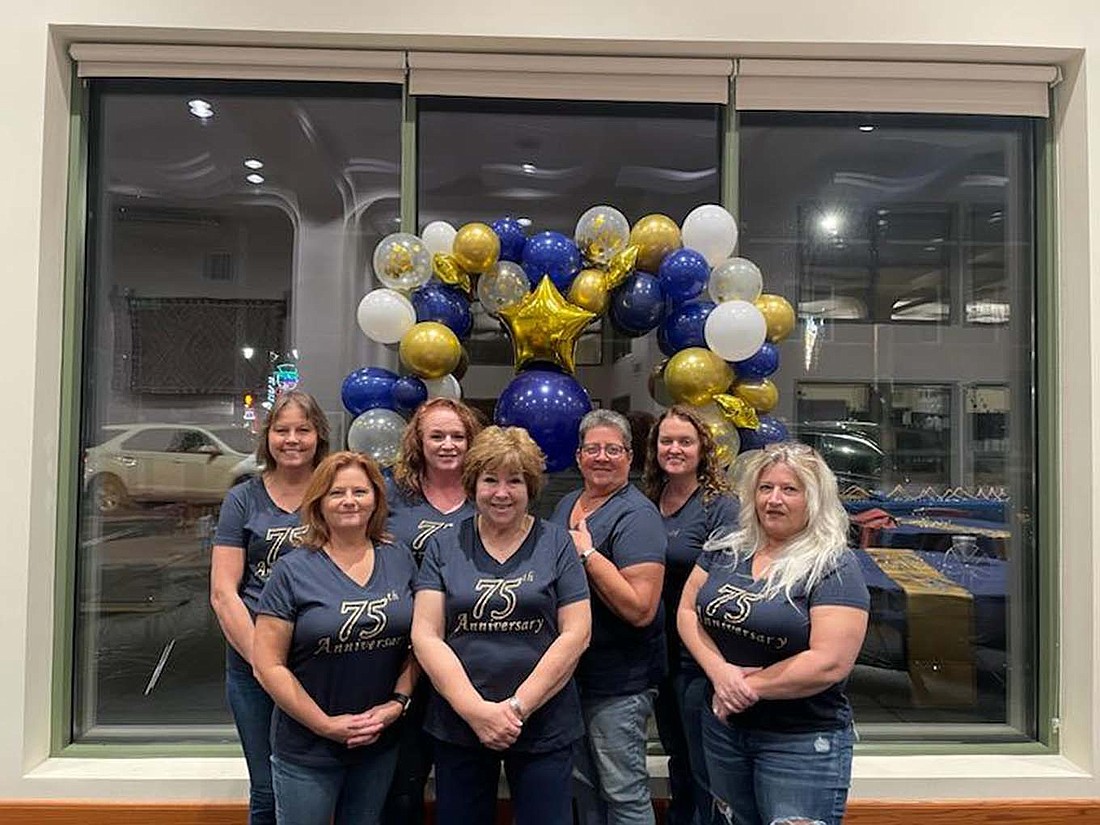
(849, 449)
(166, 462)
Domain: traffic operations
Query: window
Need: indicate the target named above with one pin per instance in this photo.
(230, 228)
(909, 242)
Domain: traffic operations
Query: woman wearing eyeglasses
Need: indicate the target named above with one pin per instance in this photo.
(684, 479)
(621, 542)
(775, 613)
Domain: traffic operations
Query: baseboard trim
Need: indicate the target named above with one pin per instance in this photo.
(860, 812)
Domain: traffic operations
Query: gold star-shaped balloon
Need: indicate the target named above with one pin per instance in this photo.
(737, 411)
(545, 327)
(447, 269)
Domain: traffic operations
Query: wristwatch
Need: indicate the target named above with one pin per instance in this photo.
(584, 556)
(402, 699)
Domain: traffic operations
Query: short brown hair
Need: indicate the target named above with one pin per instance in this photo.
(410, 462)
(317, 533)
(504, 448)
(314, 415)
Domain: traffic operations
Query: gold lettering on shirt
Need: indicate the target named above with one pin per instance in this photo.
(277, 537)
(494, 606)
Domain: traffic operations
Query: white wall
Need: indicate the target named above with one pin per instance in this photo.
(33, 143)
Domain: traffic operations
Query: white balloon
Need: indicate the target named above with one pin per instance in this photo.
(710, 230)
(439, 237)
(735, 330)
(377, 433)
(736, 279)
(385, 315)
(445, 387)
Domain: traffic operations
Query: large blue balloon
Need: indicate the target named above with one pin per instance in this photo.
(368, 388)
(637, 306)
(553, 254)
(760, 364)
(683, 275)
(770, 431)
(409, 392)
(549, 405)
(512, 238)
(446, 304)
(683, 327)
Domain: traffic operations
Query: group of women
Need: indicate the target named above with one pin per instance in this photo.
(377, 627)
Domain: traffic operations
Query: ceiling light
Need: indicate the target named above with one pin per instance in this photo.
(529, 168)
(200, 108)
(247, 352)
(866, 127)
(830, 224)
(524, 222)
(254, 178)
(254, 163)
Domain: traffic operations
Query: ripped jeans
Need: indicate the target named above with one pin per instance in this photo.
(770, 778)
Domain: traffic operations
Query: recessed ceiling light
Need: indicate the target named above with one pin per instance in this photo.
(254, 178)
(254, 163)
(866, 127)
(529, 168)
(200, 108)
(524, 222)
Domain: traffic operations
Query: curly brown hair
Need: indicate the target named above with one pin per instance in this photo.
(317, 532)
(710, 475)
(410, 463)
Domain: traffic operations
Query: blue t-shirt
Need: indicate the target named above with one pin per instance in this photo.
(687, 529)
(752, 631)
(414, 520)
(249, 519)
(349, 642)
(500, 620)
(622, 659)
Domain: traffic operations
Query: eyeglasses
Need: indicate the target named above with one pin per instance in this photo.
(610, 450)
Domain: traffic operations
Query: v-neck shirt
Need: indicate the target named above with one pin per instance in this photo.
(251, 520)
(413, 519)
(499, 619)
(349, 641)
(621, 659)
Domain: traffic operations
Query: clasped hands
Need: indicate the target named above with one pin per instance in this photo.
(732, 693)
(356, 730)
(497, 724)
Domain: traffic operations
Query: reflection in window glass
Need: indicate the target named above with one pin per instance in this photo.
(922, 230)
(545, 164)
(226, 243)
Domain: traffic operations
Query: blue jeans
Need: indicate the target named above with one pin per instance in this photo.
(340, 794)
(252, 708)
(678, 710)
(764, 778)
(611, 783)
(466, 781)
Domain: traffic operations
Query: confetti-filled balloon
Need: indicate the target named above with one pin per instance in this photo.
(736, 279)
(377, 433)
(602, 232)
(503, 286)
(401, 261)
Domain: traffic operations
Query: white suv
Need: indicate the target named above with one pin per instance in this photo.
(166, 462)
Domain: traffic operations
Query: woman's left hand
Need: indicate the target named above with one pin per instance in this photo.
(372, 722)
(732, 693)
(582, 539)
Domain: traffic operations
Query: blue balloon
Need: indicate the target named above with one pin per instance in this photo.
(683, 275)
(760, 364)
(367, 388)
(637, 305)
(409, 392)
(663, 344)
(683, 327)
(446, 304)
(553, 254)
(770, 431)
(512, 238)
(549, 405)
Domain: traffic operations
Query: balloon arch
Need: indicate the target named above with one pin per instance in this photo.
(712, 320)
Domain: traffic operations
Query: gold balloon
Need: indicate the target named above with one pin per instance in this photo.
(545, 327)
(655, 236)
(589, 291)
(762, 395)
(621, 267)
(657, 389)
(430, 350)
(737, 411)
(778, 315)
(476, 247)
(726, 438)
(695, 375)
(447, 270)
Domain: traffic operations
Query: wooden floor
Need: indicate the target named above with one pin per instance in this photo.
(860, 812)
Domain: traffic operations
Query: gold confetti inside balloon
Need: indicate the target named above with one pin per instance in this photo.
(695, 375)
(545, 327)
(655, 236)
(762, 395)
(589, 291)
(476, 247)
(401, 261)
(601, 233)
(778, 315)
(430, 350)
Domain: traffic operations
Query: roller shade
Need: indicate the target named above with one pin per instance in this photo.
(558, 77)
(237, 63)
(875, 86)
